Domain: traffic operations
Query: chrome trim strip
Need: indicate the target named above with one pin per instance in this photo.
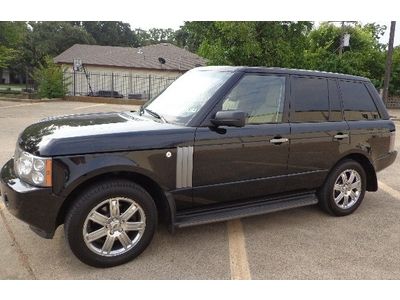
(190, 167)
(184, 166)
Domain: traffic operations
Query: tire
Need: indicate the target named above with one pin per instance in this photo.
(110, 223)
(336, 187)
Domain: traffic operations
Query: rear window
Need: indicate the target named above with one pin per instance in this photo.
(310, 99)
(357, 101)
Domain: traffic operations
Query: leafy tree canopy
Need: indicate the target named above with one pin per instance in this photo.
(364, 57)
(12, 35)
(50, 39)
(24, 46)
(109, 33)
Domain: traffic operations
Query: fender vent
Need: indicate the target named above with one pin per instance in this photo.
(184, 167)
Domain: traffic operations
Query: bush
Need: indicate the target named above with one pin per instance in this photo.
(49, 78)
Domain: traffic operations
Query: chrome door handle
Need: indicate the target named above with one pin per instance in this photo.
(341, 136)
(279, 140)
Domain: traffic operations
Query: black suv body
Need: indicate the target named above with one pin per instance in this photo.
(219, 143)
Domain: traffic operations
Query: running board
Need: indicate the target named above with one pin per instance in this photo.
(252, 209)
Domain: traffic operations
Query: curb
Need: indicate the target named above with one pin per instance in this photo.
(78, 99)
(105, 100)
(30, 100)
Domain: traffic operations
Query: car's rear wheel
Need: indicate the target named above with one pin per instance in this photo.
(111, 223)
(344, 189)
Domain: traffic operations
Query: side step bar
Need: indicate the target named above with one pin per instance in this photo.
(252, 209)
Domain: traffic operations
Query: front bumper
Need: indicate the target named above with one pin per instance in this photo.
(34, 205)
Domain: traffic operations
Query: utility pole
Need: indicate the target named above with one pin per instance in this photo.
(388, 67)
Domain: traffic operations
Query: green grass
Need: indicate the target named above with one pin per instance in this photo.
(13, 87)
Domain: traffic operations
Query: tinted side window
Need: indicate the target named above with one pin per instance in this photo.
(357, 102)
(260, 96)
(335, 108)
(310, 97)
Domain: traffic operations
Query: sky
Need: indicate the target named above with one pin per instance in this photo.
(385, 38)
(175, 24)
(154, 23)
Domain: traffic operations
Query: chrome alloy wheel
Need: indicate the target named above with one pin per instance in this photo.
(347, 189)
(114, 226)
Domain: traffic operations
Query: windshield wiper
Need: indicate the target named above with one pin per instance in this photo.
(152, 113)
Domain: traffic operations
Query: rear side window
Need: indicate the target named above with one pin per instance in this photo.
(357, 102)
(310, 99)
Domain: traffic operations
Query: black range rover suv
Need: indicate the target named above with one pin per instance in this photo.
(219, 143)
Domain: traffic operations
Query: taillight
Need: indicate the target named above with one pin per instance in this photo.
(392, 139)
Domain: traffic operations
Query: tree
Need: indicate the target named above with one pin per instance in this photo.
(279, 44)
(394, 87)
(110, 33)
(7, 55)
(142, 36)
(50, 39)
(12, 35)
(159, 35)
(192, 34)
(49, 77)
(364, 57)
(155, 36)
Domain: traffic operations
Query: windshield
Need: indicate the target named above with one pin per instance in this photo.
(185, 96)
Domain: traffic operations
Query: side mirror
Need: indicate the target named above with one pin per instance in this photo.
(233, 118)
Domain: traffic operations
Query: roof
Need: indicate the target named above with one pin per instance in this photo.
(284, 71)
(147, 57)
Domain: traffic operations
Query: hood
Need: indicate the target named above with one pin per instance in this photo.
(95, 133)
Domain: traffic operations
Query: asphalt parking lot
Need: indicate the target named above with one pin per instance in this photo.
(301, 243)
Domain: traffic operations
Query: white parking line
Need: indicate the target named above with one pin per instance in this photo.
(18, 105)
(384, 187)
(237, 251)
(88, 106)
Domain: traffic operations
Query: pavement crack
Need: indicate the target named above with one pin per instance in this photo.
(21, 255)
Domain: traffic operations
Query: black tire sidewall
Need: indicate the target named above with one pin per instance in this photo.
(91, 198)
(326, 195)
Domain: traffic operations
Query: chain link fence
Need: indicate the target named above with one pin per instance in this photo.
(128, 86)
(393, 102)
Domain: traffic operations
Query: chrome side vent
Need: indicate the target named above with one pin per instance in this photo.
(184, 167)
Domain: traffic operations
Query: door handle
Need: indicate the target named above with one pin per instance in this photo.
(341, 136)
(279, 140)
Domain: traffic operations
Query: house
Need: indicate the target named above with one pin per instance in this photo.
(4, 76)
(143, 71)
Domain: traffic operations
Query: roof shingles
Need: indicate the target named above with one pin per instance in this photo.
(146, 57)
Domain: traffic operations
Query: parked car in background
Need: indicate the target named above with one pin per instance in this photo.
(105, 93)
(219, 143)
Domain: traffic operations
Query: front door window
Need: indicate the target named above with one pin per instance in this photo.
(261, 97)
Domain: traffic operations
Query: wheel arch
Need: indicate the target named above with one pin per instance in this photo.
(363, 160)
(163, 203)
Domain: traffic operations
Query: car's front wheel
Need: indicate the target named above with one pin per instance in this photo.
(111, 223)
(344, 189)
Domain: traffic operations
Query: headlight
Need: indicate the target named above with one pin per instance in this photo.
(33, 169)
